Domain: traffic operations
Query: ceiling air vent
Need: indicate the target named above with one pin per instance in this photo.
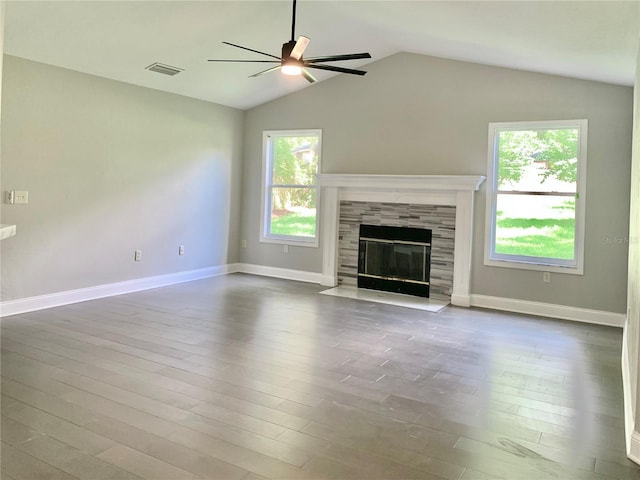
(164, 69)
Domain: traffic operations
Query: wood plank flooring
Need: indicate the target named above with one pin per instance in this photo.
(247, 378)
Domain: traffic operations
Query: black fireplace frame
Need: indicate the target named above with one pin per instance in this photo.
(400, 236)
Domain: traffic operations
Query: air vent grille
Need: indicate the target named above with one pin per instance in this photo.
(164, 69)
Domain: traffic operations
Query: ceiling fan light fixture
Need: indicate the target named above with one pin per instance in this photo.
(291, 67)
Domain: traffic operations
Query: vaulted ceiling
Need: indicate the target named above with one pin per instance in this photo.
(595, 40)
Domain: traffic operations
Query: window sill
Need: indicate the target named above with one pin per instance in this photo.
(540, 267)
(292, 241)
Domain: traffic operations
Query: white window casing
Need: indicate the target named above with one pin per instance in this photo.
(509, 260)
(267, 187)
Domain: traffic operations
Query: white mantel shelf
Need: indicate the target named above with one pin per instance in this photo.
(403, 182)
(456, 190)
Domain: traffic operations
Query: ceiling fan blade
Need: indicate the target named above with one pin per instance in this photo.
(300, 47)
(336, 58)
(251, 50)
(272, 69)
(310, 78)
(245, 61)
(335, 69)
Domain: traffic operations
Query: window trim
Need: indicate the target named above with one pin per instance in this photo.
(532, 263)
(265, 207)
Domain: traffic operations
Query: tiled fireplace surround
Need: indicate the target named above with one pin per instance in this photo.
(423, 201)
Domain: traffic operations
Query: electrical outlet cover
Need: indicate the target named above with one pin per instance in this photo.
(21, 197)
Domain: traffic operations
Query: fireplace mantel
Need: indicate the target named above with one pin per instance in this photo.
(402, 182)
(456, 190)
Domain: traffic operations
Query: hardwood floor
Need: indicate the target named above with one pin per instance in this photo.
(246, 378)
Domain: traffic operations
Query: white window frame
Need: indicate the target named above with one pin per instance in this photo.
(491, 258)
(267, 166)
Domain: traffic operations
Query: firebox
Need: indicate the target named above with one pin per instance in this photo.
(394, 259)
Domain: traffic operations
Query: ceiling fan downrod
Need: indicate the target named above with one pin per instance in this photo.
(293, 22)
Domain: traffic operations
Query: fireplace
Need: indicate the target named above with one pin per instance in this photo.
(437, 190)
(394, 259)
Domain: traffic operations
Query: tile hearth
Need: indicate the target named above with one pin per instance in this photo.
(399, 300)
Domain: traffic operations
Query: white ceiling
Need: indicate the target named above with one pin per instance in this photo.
(593, 39)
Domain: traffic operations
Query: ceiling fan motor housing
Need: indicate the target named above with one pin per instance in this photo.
(287, 48)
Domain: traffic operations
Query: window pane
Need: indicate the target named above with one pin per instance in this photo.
(393, 260)
(295, 160)
(544, 160)
(535, 226)
(293, 211)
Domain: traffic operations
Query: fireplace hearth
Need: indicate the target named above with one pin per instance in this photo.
(394, 259)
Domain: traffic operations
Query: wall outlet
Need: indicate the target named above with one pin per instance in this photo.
(137, 256)
(21, 197)
(244, 244)
(181, 250)
(286, 249)
(546, 277)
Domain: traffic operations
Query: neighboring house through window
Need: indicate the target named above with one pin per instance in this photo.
(536, 195)
(291, 163)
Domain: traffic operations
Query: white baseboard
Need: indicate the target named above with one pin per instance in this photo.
(461, 300)
(284, 273)
(234, 268)
(328, 281)
(632, 436)
(550, 310)
(626, 390)
(30, 304)
(41, 302)
(634, 447)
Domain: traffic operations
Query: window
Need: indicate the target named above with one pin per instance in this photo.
(290, 197)
(536, 195)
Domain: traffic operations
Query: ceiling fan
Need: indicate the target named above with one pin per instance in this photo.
(291, 61)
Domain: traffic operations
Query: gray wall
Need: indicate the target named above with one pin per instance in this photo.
(111, 168)
(413, 114)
